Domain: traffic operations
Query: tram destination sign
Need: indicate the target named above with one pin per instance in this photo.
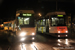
(59, 15)
(27, 14)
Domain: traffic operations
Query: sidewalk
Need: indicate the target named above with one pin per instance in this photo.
(71, 34)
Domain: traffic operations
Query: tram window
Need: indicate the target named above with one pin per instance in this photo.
(57, 21)
(61, 21)
(9, 24)
(26, 20)
(5, 24)
(42, 22)
(47, 22)
(21, 21)
(43, 19)
(38, 22)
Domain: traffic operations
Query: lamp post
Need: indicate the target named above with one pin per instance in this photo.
(56, 4)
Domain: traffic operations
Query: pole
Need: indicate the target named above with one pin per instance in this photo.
(56, 4)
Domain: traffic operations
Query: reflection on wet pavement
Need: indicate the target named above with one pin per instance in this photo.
(40, 42)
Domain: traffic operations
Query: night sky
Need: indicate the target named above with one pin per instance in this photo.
(8, 7)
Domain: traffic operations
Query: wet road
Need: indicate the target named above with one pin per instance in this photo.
(38, 42)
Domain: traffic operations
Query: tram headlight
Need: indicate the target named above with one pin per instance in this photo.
(58, 31)
(66, 31)
(22, 34)
(66, 35)
(33, 38)
(33, 33)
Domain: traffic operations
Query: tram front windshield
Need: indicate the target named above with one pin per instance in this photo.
(56, 21)
(23, 21)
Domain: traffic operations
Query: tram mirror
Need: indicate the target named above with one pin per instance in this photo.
(18, 17)
(59, 15)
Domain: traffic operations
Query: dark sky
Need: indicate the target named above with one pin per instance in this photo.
(9, 7)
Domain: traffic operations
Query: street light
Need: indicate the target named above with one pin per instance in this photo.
(40, 14)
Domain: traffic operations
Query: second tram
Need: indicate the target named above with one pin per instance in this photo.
(54, 23)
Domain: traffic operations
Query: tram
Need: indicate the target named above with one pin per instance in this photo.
(23, 26)
(53, 24)
(9, 25)
(25, 23)
(6, 25)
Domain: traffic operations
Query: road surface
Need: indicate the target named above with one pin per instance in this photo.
(38, 42)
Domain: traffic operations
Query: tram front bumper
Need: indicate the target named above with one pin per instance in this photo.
(27, 38)
(61, 34)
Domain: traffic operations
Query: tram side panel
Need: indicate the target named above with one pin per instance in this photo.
(5, 26)
(10, 26)
(41, 27)
(57, 31)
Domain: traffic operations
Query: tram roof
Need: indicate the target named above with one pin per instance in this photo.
(56, 13)
(25, 11)
(9, 22)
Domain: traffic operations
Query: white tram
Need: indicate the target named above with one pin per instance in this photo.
(23, 25)
(54, 23)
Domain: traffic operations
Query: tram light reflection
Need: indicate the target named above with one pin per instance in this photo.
(22, 34)
(22, 39)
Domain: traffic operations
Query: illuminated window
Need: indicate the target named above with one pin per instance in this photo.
(21, 21)
(43, 19)
(5, 24)
(43, 22)
(57, 21)
(9, 24)
(47, 22)
(38, 22)
(26, 20)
